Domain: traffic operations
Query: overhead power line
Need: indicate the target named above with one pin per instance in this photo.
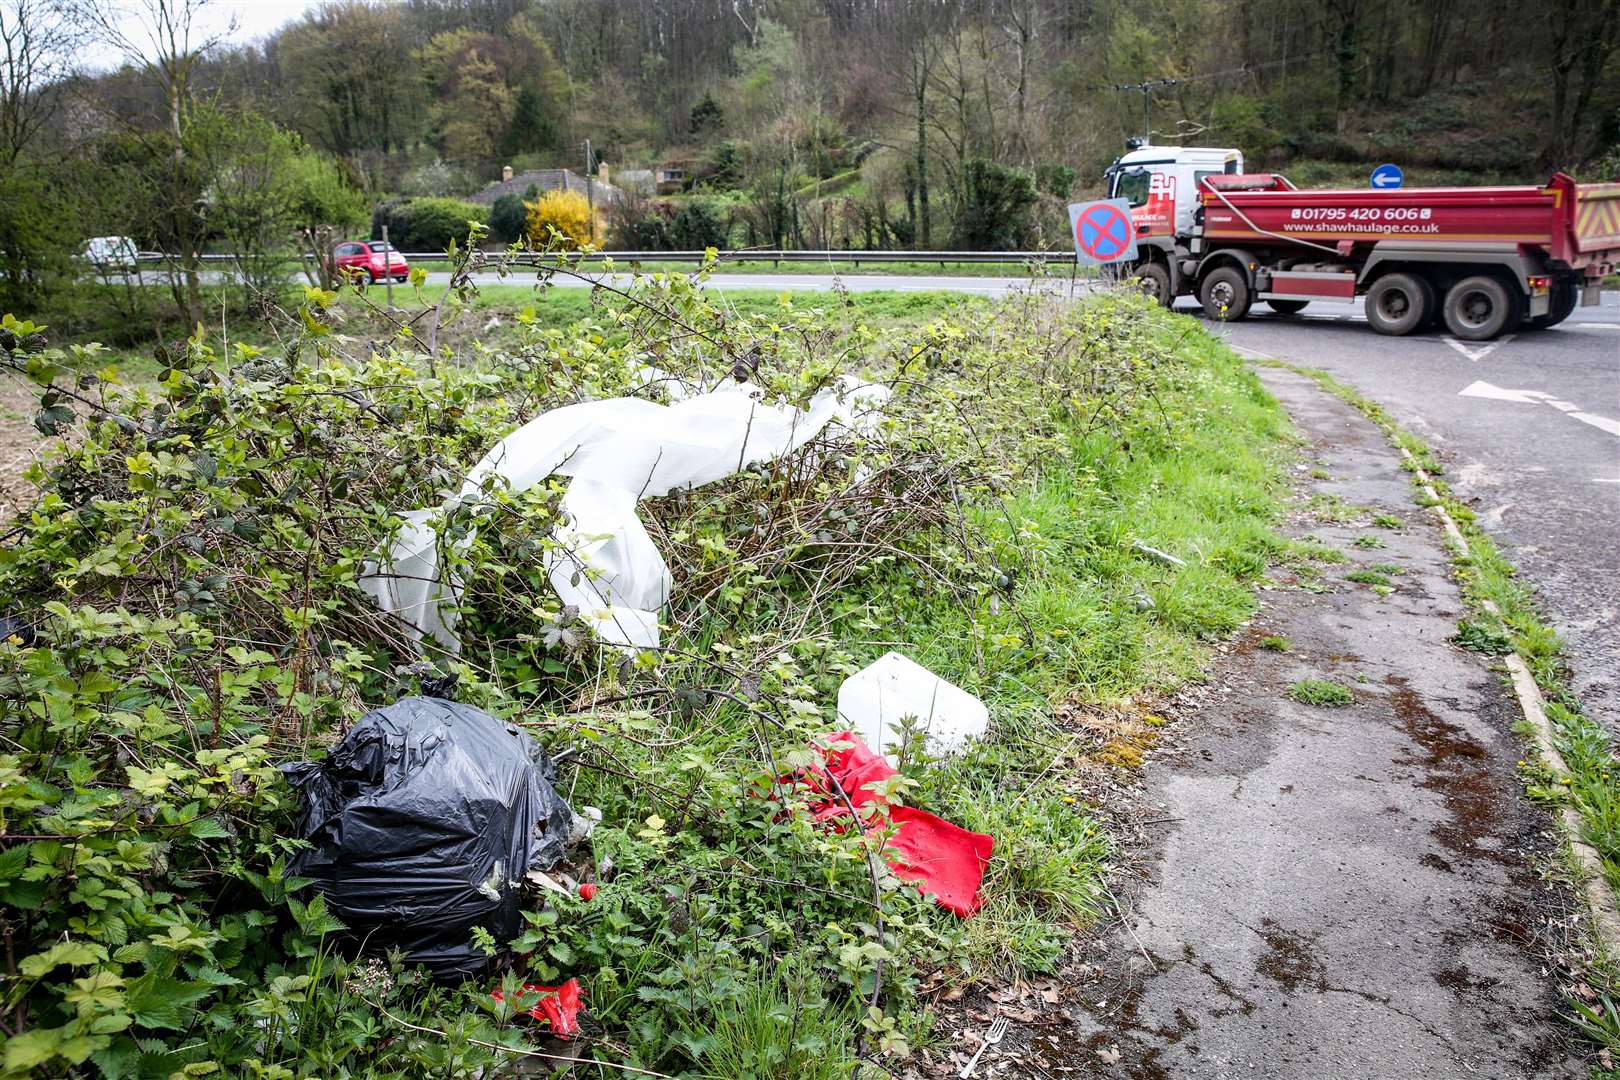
(1147, 86)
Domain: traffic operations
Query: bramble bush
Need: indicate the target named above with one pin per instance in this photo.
(184, 617)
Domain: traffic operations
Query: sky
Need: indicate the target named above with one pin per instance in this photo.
(254, 19)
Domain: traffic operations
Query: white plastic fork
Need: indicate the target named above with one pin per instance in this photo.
(998, 1028)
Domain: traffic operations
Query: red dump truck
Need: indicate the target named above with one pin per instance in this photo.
(1483, 261)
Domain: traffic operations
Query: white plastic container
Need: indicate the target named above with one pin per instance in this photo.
(875, 700)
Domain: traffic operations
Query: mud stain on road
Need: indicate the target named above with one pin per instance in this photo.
(1456, 766)
(1290, 959)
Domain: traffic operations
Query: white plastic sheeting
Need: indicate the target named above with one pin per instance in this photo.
(616, 452)
(875, 700)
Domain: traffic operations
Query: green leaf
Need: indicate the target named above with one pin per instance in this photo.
(118, 1060)
(208, 828)
(159, 1002)
(63, 952)
(32, 1048)
(27, 895)
(12, 862)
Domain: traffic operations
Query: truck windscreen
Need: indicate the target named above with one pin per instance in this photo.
(1132, 185)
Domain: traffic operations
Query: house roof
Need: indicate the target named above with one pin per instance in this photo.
(544, 180)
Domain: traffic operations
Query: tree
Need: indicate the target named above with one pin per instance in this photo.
(698, 225)
(708, 118)
(531, 127)
(473, 104)
(508, 219)
(36, 50)
(36, 43)
(492, 92)
(353, 84)
(32, 248)
(157, 37)
(1584, 37)
(996, 201)
(272, 198)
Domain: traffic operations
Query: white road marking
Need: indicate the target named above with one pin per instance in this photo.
(1497, 393)
(1479, 389)
(1476, 353)
(1602, 423)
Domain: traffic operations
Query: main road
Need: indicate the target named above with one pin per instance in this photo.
(1529, 425)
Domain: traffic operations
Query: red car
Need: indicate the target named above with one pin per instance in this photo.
(373, 260)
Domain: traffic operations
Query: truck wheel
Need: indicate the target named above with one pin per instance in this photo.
(1399, 304)
(1564, 298)
(1153, 278)
(1287, 307)
(1479, 308)
(1224, 294)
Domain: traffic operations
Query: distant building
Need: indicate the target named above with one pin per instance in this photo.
(635, 181)
(543, 180)
(671, 178)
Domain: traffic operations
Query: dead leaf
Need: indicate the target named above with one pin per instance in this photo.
(953, 994)
(1110, 1056)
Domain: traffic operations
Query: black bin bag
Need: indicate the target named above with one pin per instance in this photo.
(422, 822)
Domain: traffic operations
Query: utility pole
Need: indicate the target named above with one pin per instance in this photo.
(388, 268)
(590, 186)
(1146, 88)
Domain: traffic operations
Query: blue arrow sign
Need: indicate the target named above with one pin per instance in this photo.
(1387, 176)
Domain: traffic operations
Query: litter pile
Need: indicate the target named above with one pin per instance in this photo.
(422, 822)
(426, 819)
(882, 698)
(617, 452)
(558, 1006)
(945, 860)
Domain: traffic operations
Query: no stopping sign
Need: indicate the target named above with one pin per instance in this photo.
(1103, 231)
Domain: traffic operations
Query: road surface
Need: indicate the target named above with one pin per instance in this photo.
(1530, 428)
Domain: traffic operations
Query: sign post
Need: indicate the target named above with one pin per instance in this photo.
(1387, 177)
(1103, 232)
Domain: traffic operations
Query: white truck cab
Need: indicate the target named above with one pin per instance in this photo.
(1161, 183)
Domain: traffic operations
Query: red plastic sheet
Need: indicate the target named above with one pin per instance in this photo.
(945, 860)
(558, 1005)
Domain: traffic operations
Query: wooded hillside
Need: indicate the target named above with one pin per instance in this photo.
(817, 86)
(810, 123)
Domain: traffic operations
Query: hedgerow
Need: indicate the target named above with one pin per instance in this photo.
(183, 617)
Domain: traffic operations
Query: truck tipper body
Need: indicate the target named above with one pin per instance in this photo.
(1483, 261)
